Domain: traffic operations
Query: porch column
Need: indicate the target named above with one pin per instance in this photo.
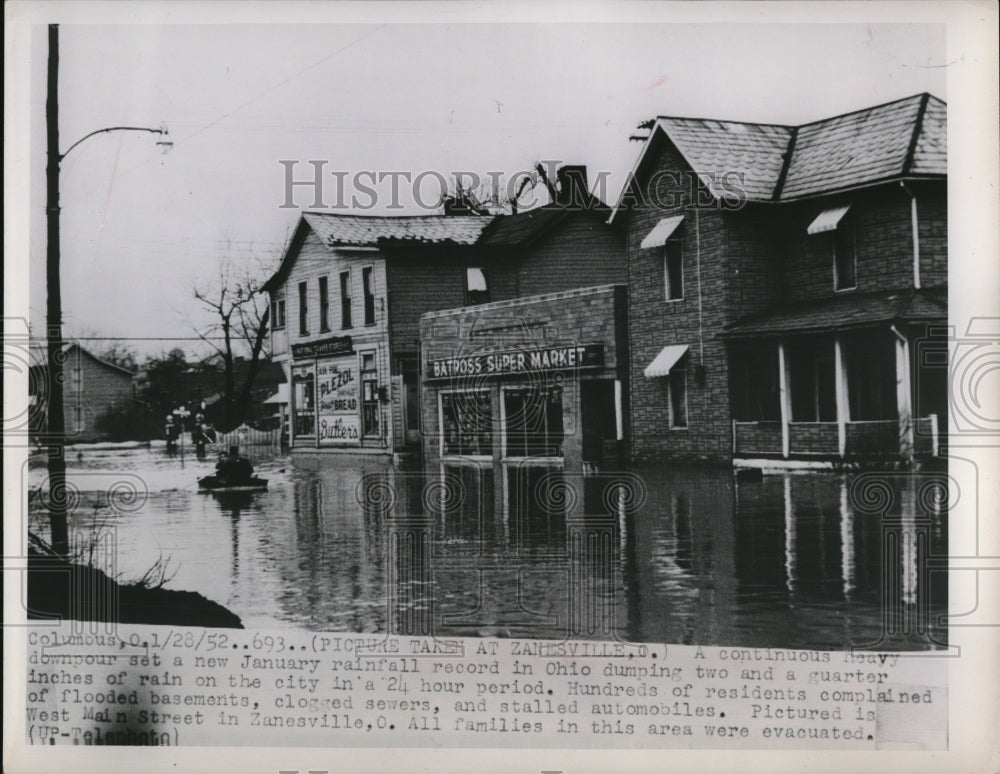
(904, 395)
(784, 397)
(843, 407)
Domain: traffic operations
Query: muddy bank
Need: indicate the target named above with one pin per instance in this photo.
(58, 588)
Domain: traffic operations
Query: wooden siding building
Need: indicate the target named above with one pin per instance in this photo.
(347, 300)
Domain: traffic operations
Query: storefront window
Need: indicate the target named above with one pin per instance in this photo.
(533, 422)
(304, 400)
(467, 423)
(369, 396)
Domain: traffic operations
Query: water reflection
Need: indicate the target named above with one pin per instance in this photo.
(667, 555)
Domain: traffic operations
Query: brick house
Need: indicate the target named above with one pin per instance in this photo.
(92, 387)
(347, 299)
(788, 286)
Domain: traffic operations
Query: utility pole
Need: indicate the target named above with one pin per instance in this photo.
(56, 426)
(56, 420)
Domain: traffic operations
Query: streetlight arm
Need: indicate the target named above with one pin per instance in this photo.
(111, 129)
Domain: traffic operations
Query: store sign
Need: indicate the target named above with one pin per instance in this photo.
(522, 361)
(339, 421)
(338, 345)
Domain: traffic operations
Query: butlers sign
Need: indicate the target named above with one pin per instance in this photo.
(522, 361)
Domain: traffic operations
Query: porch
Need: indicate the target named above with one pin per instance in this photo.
(843, 395)
(862, 439)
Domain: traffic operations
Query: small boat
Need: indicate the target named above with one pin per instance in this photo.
(214, 485)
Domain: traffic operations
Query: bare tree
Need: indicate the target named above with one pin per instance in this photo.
(240, 315)
(476, 194)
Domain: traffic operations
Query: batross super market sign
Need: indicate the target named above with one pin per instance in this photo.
(518, 361)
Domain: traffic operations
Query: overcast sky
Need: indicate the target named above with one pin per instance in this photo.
(141, 227)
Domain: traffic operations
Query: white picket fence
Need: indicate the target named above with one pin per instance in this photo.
(244, 435)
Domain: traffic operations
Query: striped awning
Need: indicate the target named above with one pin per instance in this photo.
(661, 232)
(828, 220)
(666, 360)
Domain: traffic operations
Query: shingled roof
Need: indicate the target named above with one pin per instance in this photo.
(340, 230)
(905, 138)
(370, 230)
(852, 310)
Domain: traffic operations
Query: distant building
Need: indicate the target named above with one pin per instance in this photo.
(347, 299)
(92, 387)
(788, 287)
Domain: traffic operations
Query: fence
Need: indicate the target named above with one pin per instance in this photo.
(244, 435)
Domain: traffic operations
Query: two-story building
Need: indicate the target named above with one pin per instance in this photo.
(92, 388)
(788, 287)
(347, 299)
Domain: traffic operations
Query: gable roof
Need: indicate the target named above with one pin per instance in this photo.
(714, 148)
(777, 163)
(341, 230)
(40, 354)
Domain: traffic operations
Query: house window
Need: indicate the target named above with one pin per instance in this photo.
(345, 300)
(366, 284)
(755, 390)
(812, 382)
(324, 304)
(673, 270)
(303, 309)
(845, 259)
(476, 288)
(277, 314)
(678, 397)
(467, 423)
(533, 422)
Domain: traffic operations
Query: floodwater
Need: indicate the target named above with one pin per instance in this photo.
(666, 554)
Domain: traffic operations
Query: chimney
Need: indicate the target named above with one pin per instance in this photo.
(573, 189)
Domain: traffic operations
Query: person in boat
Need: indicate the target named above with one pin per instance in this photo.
(233, 468)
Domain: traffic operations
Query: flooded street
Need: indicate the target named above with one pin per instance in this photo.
(682, 555)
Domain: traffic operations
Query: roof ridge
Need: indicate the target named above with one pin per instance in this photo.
(724, 121)
(919, 95)
(918, 126)
(786, 163)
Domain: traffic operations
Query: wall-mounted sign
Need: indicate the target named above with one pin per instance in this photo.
(339, 420)
(541, 360)
(338, 345)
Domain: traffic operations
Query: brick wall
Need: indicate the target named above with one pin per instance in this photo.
(883, 230)
(813, 438)
(423, 281)
(932, 217)
(655, 322)
(581, 251)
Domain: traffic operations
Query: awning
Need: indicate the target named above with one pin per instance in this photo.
(661, 232)
(828, 220)
(281, 396)
(666, 360)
